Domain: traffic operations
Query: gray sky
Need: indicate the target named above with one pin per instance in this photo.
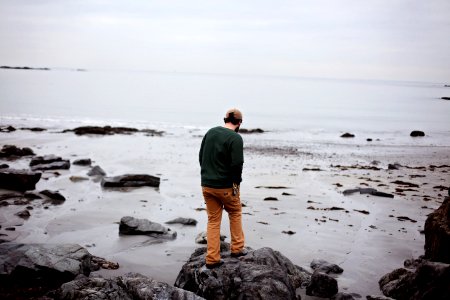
(370, 39)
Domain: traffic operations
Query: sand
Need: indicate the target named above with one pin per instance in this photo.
(366, 246)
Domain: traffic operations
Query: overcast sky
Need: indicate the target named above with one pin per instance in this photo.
(369, 39)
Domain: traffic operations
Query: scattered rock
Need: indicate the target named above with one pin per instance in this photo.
(130, 286)
(96, 171)
(4, 166)
(403, 218)
(13, 151)
(184, 221)
(34, 129)
(345, 296)
(132, 226)
(256, 130)
(7, 129)
(323, 266)
(312, 169)
(347, 135)
(376, 297)
(437, 233)
(54, 195)
(416, 133)
(99, 262)
(369, 191)
(271, 187)
(445, 98)
(202, 238)
(395, 166)
(270, 199)
(362, 211)
(290, 232)
(31, 195)
(106, 130)
(78, 178)
(261, 274)
(24, 214)
(18, 180)
(404, 183)
(83, 162)
(322, 285)
(49, 162)
(131, 180)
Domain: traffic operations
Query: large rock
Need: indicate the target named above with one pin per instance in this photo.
(13, 151)
(322, 285)
(132, 226)
(437, 233)
(261, 274)
(49, 162)
(18, 180)
(106, 130)
(131, 180)
(44, 263)
(130, 286)
(429, 281)
(323, 266)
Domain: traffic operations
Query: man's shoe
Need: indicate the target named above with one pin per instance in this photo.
(214, 265)
(243, 252)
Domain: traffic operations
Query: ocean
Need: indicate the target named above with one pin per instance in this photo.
(290, 108)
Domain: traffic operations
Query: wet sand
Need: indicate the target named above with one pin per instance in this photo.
(365, 236)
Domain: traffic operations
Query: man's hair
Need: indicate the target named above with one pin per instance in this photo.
(232, 119)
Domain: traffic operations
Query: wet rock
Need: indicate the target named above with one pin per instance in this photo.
(4, 166)
(48, 264)
(78, 178)
(395, 166)
(289, 232)
(7, 129)
(325, 267)
(322, 285)
(429, 281)
(370, 191)
(49, 162)
(376, 297)
(362, 211)
(132, 226)
(24, 214)
(34, 129)
(83, 162)
(106, 130)
(347, 135)
(345, 296)
(270, 199)
(202, 238)
(437, 233)
(445, 98)
(18, 180)
(184, 221)
(31, 195)
(417, 133)
(256, 130)
(261, 274)
(99, 262)
(96, 171)
(130, 286)
(54, 195)
(13, 151)
(131, 180)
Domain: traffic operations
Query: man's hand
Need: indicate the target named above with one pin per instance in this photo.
(235, 189)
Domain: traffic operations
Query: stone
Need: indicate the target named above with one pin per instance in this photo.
(78, 178)
(132, 226)
(131, 180)
(322, 285)
(417, 133)
(54, 195)
(437, 233)
(106, 130)
(18, 180)
(347, 135)
(96, 171)
(325, 267)
(24, 214)
(343, 296)
(49, 162)
(377, 297)
(13, 151)
(130, 286)
(429, 281)
(42, 263)
(4, 166)
(256, 130)
(184, 221)
(7, 128)
(83, 162)
(261, 274)
(202, 238)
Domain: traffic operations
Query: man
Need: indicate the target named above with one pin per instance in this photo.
(221, 159)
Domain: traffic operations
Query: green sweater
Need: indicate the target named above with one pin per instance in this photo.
(221, 158)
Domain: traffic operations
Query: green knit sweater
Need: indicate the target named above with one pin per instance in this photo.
(221, 158)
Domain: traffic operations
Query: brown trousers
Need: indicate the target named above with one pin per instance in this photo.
(216, 200)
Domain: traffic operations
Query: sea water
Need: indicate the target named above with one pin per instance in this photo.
(290, 108)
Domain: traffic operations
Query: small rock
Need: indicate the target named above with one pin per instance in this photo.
(417, 133)
(96, 171)
(347, 135)
(270, 199)
(202, 238)
(322, 285)
(184, 221)
(83, 162)
(24, 214)
(325, 267)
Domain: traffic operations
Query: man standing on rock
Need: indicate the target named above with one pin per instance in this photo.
(221, 159)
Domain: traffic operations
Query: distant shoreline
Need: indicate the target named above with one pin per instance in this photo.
(37, 69)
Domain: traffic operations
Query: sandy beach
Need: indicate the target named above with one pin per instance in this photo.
(367, 235)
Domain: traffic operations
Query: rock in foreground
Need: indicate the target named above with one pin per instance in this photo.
(131, 180)
(130, 286)
(18, 180)
(261, 274)
(437, 234)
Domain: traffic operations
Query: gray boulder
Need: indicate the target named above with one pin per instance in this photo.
(183, 221)
(131, 180)
(130, 286)
(45, 263)
(322, 285)
(202, 238)
(429, 281)
(437, 233)
(18, 180)
(14, 151)
(325, 267)
(261, 274)
(83, 162)
(132, 226)
(49, 162)
(96, 171)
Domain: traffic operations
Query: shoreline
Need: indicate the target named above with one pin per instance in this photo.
(89, 214)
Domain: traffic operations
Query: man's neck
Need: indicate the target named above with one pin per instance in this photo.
(230, 126)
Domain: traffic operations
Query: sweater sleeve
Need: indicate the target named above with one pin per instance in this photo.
(237, 159)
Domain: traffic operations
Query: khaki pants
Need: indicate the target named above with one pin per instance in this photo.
(216, 200)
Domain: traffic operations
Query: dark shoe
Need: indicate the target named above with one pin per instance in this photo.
(243, 252)
(214, 265)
